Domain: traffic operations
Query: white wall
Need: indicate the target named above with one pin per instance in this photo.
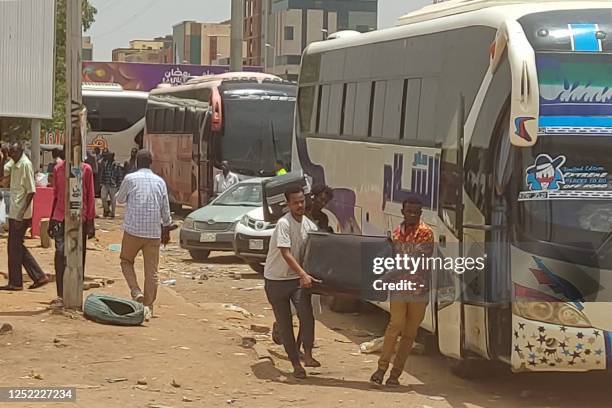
(27, 36)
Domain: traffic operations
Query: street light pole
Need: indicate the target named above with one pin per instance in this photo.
(73, 237)
(274, 52)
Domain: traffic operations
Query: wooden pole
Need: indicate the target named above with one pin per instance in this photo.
(73, 275)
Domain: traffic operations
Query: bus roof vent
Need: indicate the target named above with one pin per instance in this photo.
(343, 34)
(453, 7)
(101, 86)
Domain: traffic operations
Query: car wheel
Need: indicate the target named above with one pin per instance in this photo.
(257, 267)
(199, 255)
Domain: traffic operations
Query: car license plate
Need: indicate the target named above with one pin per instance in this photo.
(207, 237)
(256, 244)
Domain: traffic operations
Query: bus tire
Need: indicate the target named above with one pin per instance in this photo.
(344, 304)
(466, 369)
(199, 255)
(257, 267)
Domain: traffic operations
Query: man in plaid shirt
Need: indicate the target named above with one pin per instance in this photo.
(146, 225)
(415, 238)
(111, 175)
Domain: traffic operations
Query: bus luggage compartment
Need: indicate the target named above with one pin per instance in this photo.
(344, 263)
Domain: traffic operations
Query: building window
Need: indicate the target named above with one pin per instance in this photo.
(288, 33)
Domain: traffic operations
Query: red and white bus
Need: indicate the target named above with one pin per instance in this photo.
(242, 117)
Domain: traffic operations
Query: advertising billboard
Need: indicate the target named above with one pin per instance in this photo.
(145, 77)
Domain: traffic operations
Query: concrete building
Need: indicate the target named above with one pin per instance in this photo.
(278, 31)
(87, 49)
(155, 51)
(202, 43)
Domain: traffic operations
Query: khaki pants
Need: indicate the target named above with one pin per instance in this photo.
(406, 317)
(130, 247)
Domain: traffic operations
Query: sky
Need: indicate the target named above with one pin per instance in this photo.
(119, 21)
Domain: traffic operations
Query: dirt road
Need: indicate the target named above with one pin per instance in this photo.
(191, 354)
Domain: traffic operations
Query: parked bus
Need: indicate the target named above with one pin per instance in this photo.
(244, 118)
(115, 118)
(499, 115)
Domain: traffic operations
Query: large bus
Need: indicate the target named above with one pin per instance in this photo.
(115, 118)
(499, 115)
(243, 118)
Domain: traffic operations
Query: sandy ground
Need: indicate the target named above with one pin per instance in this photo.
(191, 354)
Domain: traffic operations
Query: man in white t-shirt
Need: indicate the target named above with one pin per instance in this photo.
(224, 180)
(287, 282)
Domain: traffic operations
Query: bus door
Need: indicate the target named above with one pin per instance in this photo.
(449, 284)
(202, 180)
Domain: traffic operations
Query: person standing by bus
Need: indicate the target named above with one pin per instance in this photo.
(130, 165)
(22, 190)
(280, 168)
(225, 179)
(412, 237)
(287, 282)
(110, 180)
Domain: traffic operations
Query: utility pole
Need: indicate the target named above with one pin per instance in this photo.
(73, 226)
(236, 36)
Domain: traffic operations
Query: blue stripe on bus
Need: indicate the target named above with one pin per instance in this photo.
(584, 38)
(608, 341)
(575, 121)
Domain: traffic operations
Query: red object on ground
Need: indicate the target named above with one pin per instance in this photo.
(42, 205)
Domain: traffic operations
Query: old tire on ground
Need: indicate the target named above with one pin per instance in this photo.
(199, 254)
(257, 267)
(110, 310)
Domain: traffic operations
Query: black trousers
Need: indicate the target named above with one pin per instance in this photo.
(60, 257)
(19, 255)
(280, 294)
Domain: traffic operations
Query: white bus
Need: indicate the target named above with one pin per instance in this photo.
(499, 115)
(115, 118)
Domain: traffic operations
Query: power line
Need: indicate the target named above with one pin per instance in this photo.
(130, 19)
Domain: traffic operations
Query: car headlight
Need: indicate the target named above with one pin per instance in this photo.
(245, 220)
(551, 312)
(189, 223)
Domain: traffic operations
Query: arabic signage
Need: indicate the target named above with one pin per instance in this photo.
(145, 77)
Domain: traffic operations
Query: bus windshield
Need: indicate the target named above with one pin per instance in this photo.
(257, 132)
(113, 113)
(566, 191)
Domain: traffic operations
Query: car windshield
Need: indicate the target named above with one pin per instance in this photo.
(244, 195)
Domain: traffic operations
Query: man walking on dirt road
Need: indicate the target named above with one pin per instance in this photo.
(146, 225)
(287, 282)
(415, 238)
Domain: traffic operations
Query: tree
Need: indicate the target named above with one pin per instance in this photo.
(59, 105)
(17, 128)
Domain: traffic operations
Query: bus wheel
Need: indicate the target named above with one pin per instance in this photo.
(257, 267)
(199, 255)
(344, 304)
(467, 369)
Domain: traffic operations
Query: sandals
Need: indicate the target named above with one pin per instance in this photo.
(377, 377)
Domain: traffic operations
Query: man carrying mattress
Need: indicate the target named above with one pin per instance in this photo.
(287, 282)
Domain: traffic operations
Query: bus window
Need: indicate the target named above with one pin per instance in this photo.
(117, 114)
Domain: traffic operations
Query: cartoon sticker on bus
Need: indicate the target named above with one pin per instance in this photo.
(546, 173)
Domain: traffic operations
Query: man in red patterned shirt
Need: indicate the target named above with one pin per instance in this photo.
(56, 224)
(415, 238)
